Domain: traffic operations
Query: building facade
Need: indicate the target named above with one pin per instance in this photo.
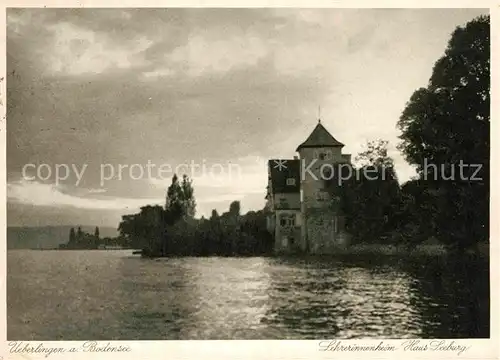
(303, 197)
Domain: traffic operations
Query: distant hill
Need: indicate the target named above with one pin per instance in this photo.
(46, 237)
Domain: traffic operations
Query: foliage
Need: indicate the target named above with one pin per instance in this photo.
(81, 240)
(446, 124)
(180, 201)
(375, 155)
(173, 231)
(143, 229)
(370, 196)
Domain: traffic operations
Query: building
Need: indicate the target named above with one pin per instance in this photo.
(303, 206)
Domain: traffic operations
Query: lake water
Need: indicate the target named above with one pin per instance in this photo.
(114, 295)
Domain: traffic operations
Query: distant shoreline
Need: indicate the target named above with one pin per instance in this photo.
(359, 250)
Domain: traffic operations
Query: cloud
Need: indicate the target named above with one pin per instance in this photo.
(124, 86)
(217, 182)
(202, 54)
(160, 72)
(39, 194)
(77, 51)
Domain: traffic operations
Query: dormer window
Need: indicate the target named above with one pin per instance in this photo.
(290, 182)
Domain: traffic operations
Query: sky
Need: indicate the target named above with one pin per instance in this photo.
(104, 105)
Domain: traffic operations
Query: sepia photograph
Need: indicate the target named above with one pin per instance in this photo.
(248, 174)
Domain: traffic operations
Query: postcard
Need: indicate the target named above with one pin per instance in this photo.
(276, 181)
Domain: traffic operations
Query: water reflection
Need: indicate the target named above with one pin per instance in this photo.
(232, 297)
(159, 299)
(341, 301)
(112, 295)
(453, 298)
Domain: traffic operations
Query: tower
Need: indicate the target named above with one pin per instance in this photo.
(322, 221)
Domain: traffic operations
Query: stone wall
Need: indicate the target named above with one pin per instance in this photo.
(287, 238)
(325, 232)
(319, 233)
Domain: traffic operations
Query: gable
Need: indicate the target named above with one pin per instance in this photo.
(285, 175)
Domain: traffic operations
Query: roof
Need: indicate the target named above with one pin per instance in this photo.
(280, 171)
(320, 137)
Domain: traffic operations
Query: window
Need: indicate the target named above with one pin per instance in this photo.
(321, 196)
(290, 182)
(323, 155)
(287, 220)
(335, 225)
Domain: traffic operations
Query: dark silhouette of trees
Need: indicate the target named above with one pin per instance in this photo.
(144, 229)
(82, 240)
(173, 230)
(72, 237)
(369, 195)
(447, 124)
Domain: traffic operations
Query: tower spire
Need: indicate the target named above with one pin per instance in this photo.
(319, 114)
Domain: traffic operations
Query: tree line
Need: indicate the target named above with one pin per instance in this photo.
(173, 229)
(445, 132)
(82, 240)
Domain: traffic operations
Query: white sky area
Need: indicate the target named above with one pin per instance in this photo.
(225, 90)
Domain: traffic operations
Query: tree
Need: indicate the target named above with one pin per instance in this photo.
(189, 202)
(448, 123)
(370, 197)
(180, 201)
(96, 232)
(375, 154)
(235, 208)
(143, 230)
(72, 238)
(180, 205)
(80, 238)
(174, 204)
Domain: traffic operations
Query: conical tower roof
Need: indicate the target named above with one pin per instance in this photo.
(320, 137)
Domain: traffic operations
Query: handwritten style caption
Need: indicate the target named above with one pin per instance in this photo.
(20, 347)
(406, 346)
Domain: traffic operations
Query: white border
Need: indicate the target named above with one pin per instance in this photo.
(236, 349)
